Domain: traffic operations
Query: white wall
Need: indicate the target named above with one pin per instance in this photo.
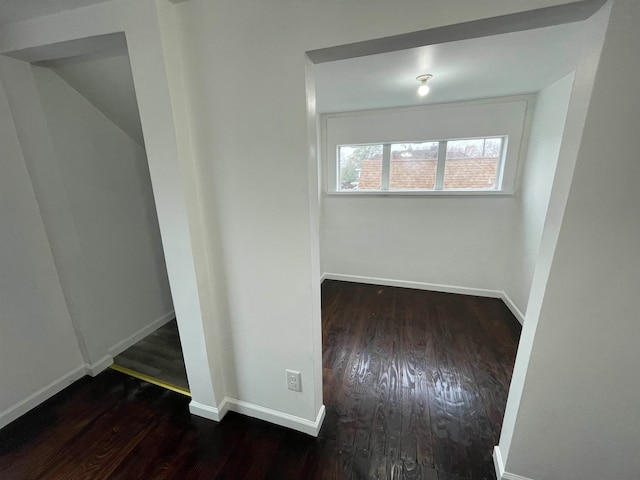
(63, 34)
(538, 170)
(92, 184)
(106, 182)
(577, 416)
(453, 243)
(249, 141)
(249, 138)
(39, 353)
(106, 81)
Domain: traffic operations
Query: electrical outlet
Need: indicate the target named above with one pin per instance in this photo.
(294, 381)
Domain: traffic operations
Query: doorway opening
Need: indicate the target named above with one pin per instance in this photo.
(90, 171)
(405, 267)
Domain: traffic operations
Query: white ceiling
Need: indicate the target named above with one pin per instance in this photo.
(508, 64)
(16, 10)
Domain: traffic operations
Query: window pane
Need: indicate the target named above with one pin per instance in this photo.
(472, 163)
(413, 166)
(360, 167)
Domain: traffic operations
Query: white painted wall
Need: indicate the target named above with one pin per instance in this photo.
(249, 141)
(92, 183)
(577, 412)
(39, 353)
(106, 81)
(249, 136)
(63, 34)
(538, 171)
(106, 182)
(453, 243)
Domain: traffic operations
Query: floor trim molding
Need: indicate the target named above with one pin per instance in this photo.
(310, 427)
(207, 411)
(434, 287)
(23, 406)
(499, 466)
(512, 306)
(94, 369)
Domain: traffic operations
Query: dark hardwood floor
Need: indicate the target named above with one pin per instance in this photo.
(415, 387)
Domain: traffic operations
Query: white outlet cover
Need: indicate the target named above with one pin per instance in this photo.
(294, 380)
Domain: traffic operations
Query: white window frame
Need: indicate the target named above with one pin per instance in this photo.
(441, 161)
(506, 117)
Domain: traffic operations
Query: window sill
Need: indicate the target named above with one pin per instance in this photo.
(423, 193)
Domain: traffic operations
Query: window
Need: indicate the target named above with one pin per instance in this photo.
(461, 164)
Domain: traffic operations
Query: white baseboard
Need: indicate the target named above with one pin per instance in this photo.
(134, 338)
(256, 411)
(206, 411)
(512, 306)
(499, 466)
(12, 413)
(434, 287)
(94, 369)
(497, 462)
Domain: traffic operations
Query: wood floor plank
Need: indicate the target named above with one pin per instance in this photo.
(415, 386)
(158, 355)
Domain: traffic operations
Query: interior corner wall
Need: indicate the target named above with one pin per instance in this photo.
(578, 413)
(205, 227)
(120, 266)
(253, 149)
(93, 188)
(52, 36)
(39, 354)
(422, 240)
(539, 168)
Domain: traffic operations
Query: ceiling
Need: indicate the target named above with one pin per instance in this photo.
(499, 65)
(17, 10)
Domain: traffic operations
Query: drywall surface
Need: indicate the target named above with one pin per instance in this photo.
(425, 240)
(421, 239)
(106, 81)
(204, 228)
(106, 183)
(572, 137)
(578, 413)
(37, 341)
(250, 140)
(59, 36)
(535, 188)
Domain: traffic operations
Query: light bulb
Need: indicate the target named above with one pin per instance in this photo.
(423, 90)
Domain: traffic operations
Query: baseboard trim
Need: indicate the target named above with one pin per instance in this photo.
(310, 427)
(94, 369)
(105, 362)
(207, 411)
(434, 287)
(135, 337)
(499, 466)
(497, 462)
(15, 411)
(512, 306)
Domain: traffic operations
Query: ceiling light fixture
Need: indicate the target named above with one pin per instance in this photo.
(423, 89)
